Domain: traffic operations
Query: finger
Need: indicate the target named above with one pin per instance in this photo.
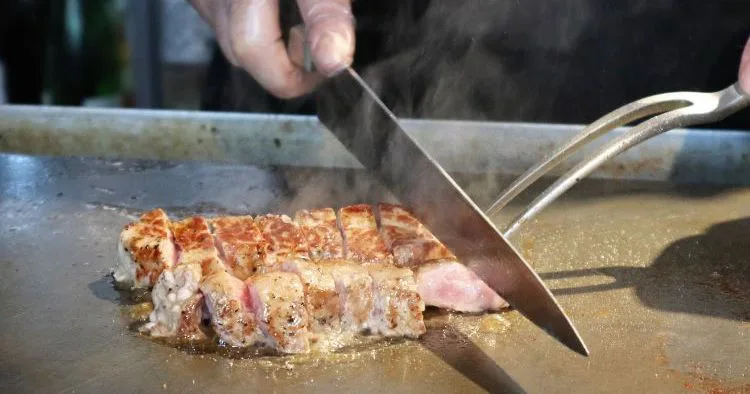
(219, 22)
(224, 37)
(744, 74)
(330, 32)
(257, 45)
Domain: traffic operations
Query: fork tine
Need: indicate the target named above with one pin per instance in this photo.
(636, 135)
(703, 108)
(628, 113)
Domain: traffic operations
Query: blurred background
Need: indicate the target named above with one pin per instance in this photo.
(113, 53)
(567, 61)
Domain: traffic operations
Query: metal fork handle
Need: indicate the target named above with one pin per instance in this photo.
(685, 109)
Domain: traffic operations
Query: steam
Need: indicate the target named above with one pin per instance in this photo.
(316, 188)
(453, 60)
(441, 67)
(467, 60)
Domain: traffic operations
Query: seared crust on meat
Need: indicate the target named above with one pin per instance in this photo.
(146, 248)
(397, 307)
(196, 244)
(397, 223)
(240, 242)
(279, 302)
(411, 243)
(321, 232)
(361, 236)
(284, 239)
(416, 252)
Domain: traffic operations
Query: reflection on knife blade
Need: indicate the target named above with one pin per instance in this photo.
(352, 111)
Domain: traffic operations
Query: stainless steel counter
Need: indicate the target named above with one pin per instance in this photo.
(692, 156)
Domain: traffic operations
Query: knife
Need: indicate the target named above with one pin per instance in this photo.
(354, 113)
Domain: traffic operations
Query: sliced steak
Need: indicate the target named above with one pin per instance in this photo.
(283, 240)
(198, 258)
(240, 242)
(145, 249)
(397, 307)
(442, 281)
(451, 285)
(321, 299)
(354, 287)
(363, 242)
(196, 244)
(174, 296)
(232, 316)
(322, 233)
(411, 243)
(278, 300)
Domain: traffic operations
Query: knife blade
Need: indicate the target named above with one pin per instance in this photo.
(352, 111)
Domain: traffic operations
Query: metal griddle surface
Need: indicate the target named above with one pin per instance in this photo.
(656, 279)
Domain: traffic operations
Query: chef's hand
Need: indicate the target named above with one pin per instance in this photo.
(744, 75)
(249, 34)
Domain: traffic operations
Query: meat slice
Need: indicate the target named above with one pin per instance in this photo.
(283, 240)
(196, 244)
(278, 299)
(397, 307)
(411, 243)
(363, 241)
(178, 306)
(198, 258)
(354, 287)
(191, 328)
(452, 285)
(441, 280)
(228, 303)
(415, 252)
(240, 242)
(322, 233)
(145, 249)
(321, 298)
(397, 224)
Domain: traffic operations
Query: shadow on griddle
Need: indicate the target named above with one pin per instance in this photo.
(706, 275)
(463, 355)
(106, 289)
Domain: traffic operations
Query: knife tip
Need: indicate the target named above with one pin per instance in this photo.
(583, 350)
(578, 346)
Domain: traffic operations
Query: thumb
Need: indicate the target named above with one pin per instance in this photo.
(330, 33)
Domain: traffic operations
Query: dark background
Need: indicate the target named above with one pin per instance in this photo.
(534, 60)
(567, 61)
